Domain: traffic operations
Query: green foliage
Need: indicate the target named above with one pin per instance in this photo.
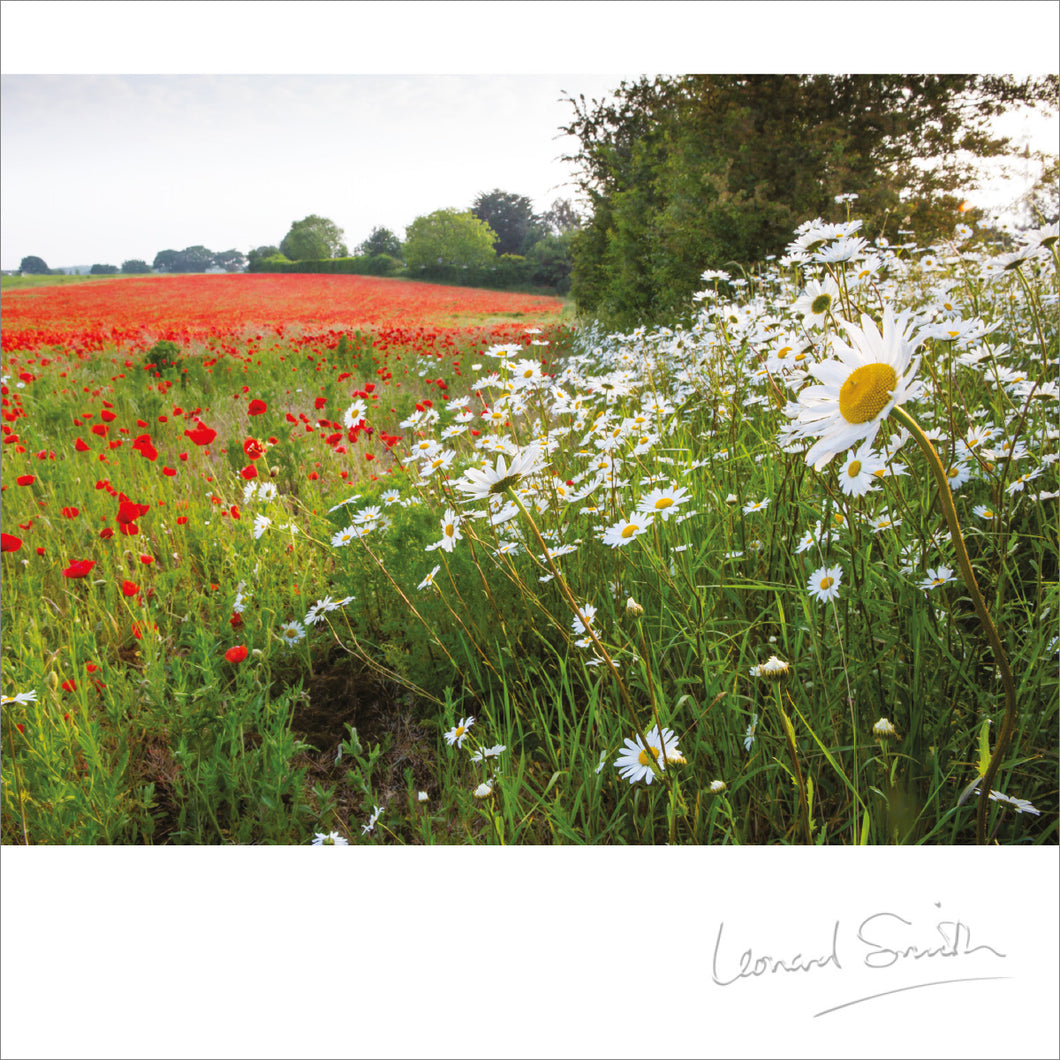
(164, 358)
(690, 173)
(448, 238)
(135, 267)
(382, 265)
(33, 266)
(230, 260)
(260, 254)
(510, 216)
(190, 259)
(381, 241)
(312, 238)
(103, 270)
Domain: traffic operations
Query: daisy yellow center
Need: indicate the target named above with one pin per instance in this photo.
(826, 583)
(820, 304)
(450, 530)
(866, 391)
(629, 531)
(663, 502)
(643, 756)
(459, 732)
(855, 468)
(781, 353)
(290, 633)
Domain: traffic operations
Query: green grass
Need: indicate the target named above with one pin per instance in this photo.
(182, 745)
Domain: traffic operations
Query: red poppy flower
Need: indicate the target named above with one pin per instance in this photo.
(202, 435)
(129, 588)
(253, 448)
(249, 472)
(69, 685)
(181, 520)
(129, 512)
(147, 560)
(170, 471)
(80, 445)
(79, 568)
(236, 654)
(100, 429)
(236, 620)
(26, 480)
(10, 543)
(106, 533)
(70, 513)
(257, 407)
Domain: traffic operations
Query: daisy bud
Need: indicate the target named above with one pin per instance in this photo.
(483, 791)
(884, 729)
(633, 609)
(717, 787)
(773, 669)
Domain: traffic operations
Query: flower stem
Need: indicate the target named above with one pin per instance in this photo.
(1008, 724)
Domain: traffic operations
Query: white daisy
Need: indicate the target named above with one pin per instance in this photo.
(458, 733)
(625, 530)
(480, 483)
(860, 472)
(824, 583)
(343, 537)
(429, 580)
(858, 389)
(936, 576)
(330, 839)
(663, 502)
(635, 761)
(292, 632)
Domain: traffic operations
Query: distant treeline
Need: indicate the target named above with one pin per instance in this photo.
(510, 272)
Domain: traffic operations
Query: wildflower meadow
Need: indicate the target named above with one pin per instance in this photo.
(329, 560)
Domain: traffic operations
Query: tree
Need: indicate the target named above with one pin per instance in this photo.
(449, 237)
(134, 266)
(190, 259)
(381, 241)
(166, 261)
(510, 216)
(33, 266)
(230, 260)
(1041, 204)
(312, 239)
(259, 254)
(103, 270)
(690, 173)
(560, 217)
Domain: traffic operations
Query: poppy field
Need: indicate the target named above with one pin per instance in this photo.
(295, 559)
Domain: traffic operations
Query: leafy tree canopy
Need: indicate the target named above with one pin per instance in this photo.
(381, 241)
(312, 239)
(135, 266)
(190, 259)
(33, 266)
(230, 260)
(510, 216)
(689, 173)
(449, 237)
(103, 270)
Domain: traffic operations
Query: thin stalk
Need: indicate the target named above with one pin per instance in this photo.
(1008, 724)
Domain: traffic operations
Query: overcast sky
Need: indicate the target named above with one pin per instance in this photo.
(131, 128)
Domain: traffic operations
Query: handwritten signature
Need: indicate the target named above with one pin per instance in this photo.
(880, 941)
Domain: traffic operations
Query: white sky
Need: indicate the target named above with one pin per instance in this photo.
(129, 128)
